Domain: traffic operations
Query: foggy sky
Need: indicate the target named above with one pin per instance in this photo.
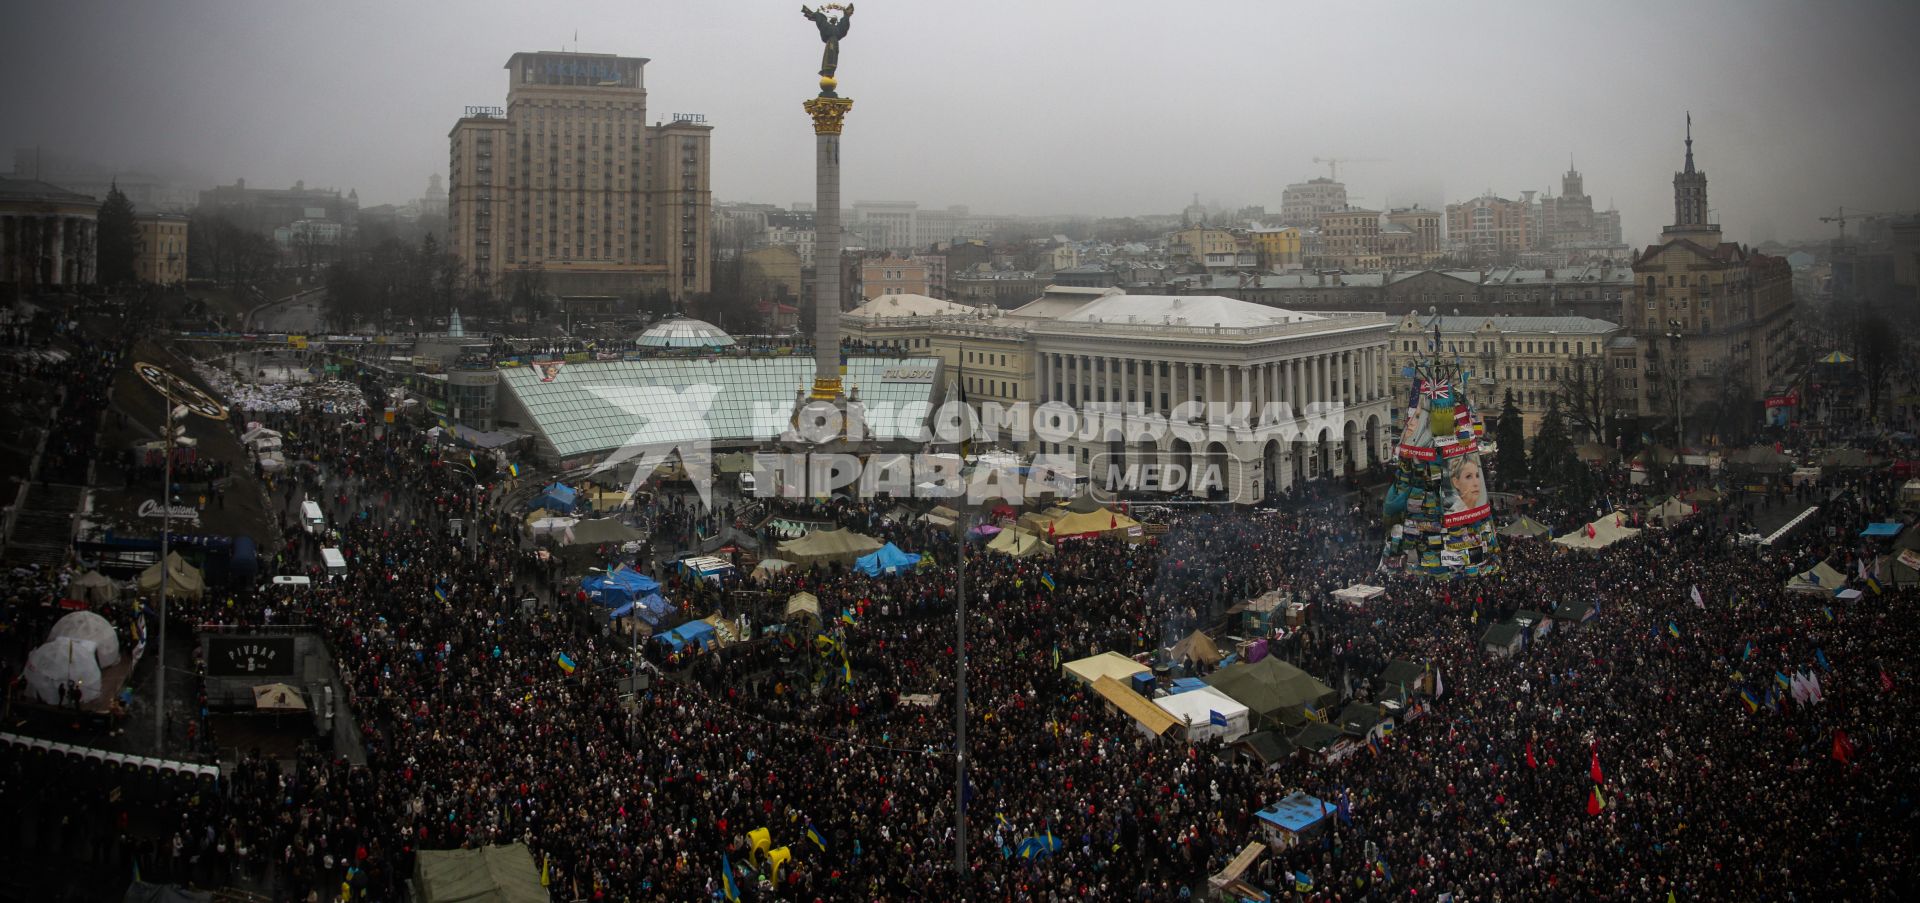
(1103, 108)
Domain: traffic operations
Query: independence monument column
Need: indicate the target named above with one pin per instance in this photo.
(828, 110)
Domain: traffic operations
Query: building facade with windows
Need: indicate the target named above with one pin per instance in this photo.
(568, 184)
(160, 254)
(48, 235)
(1714, 319)
(1489, 229)
(1532, 357)
(1304, 203)
(891, 275)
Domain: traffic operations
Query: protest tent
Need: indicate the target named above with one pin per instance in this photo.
(183, 580)
(502, 873)
(888, 559)
(1819, 580)
(767, 567)
(1361, 720)
(706, 567)
(63, 661)
(1276, 692)
(1524, 526)
(557, 497)
(1196, 649)
(690, 634)
(1401, 673)
(1575, 611)
(1882, 528)
(85, 625)
(1151, 719)
(1760, 459)
(1669, 512)
(824, 546)
(1359, 594)
(1093, 523)
(651, 608)
(94, 587)
(1208, 714)
(1270, 748)
(597, 532)
(1503, 639)
(1084, 503)
(1600, 534)
(1106, 664)
(1850, 459)
(618, 586)
(1019, 544)
(803, 605)
(1293, 819)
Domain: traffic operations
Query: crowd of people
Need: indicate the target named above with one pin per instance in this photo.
(482, 722)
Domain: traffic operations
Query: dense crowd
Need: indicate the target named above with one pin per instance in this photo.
(474, 734)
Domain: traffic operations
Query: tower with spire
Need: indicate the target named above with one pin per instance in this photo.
(1690, 211)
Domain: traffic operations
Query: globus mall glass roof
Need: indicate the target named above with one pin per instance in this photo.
(601, 405)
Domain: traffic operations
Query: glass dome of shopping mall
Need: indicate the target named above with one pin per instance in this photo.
(577, 410)
(684, 332)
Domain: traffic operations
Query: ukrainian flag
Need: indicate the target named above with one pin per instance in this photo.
(471, 463)
(513, 469)
(1828, 611)
(846, 668)
(1873, 585)
(846, 617)
(1046, 580)
(1782, 680)
(818, 841)
(727, 886)
(1673, 630)
(1302, 882)
(566, 662)
(440, 592)
(1753, 705)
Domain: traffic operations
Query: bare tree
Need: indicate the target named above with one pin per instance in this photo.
(1586, 395)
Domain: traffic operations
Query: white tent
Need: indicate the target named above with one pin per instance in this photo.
(1106, 664)
(63, 661)
(94, 587)
(85, 625)
(1819, 580)
(1359, 594)
(183, 580)
(1196, 710)
(1600, 534)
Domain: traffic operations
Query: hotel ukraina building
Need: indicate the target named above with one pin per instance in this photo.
(570, 182)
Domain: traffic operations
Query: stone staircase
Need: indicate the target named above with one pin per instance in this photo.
(43, 527)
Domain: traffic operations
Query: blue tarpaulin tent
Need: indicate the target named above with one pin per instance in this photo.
(1296, 813)
(556, 498)
(618, 587)
(1882, 529)
(1187, 685)
(888, 559)
(692, 633)
(651, 608)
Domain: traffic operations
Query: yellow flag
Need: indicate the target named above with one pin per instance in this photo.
(546, 876)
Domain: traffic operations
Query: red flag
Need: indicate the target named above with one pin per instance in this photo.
(1842, 747)
(1597, 779)
(1595, 803)
(1112, 522)
(1531, 761)
(1886, 680)
(1049, 529)
(1590, 531)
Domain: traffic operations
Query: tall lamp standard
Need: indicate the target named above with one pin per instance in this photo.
(962, 525)
(191, 401)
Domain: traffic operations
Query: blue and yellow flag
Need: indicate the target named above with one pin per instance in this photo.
(1746, 696)
(727, 886)
(1302, 882)
(440, 592)
(846, 668)
(1782, 680)
(566, 662)
(471, 462)
(818, 841)
(1046, 580)
(1673, 630)
(1873, 585)
(513, 469)
(1828, 611)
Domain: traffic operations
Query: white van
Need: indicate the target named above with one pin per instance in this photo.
(335, 563)
(748, 484)
(292, 581)
(311, 518)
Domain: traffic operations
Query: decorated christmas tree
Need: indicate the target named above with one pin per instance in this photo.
(1441, 523)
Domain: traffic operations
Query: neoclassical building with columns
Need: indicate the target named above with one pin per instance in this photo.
(47, 235)
(1246, 399)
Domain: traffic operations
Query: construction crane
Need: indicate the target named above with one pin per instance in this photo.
(1333, 163)
(1842, 216)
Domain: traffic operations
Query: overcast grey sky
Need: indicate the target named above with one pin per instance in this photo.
(1106, 108)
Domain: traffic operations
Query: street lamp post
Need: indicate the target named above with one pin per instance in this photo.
(960, 709)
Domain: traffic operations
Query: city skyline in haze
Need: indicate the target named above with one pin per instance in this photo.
(1100, 109)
